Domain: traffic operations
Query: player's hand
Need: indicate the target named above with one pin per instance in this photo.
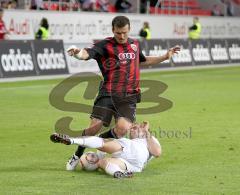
(73, 50)
(172, 51)
(145, 126)
(135, 127)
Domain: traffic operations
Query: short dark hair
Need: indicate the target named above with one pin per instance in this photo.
(120, 21)
(44, 23)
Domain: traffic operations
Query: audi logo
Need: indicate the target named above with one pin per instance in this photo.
(126, 56)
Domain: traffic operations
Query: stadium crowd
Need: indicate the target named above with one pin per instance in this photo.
(8, 4)
(122, 6)
(167, 7)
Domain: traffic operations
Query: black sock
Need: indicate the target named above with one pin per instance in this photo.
(108, 134)
(80, 149)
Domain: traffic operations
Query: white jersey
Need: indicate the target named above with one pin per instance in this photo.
(135, 153)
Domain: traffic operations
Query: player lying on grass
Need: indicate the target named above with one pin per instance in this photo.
(127, 155)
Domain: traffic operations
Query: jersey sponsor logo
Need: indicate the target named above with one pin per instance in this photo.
(126, 56)
(16, 61)
(50, 60)
(134, 47)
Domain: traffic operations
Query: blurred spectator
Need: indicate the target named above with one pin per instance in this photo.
(75, 5)
(64, 6)
(8, 4)
(145, 35)
(54, 6)
(216, 11)
(153, 3)
(143, 6)
(237, 2)
(123, 6)
(145, 32)
(3, 30)
(88, 5)
(230, 8)
(103, 5)
(43, 32)
(37, 4)
(195, 29)
(4, 5)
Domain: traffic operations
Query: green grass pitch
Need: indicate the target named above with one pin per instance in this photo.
(204, 160)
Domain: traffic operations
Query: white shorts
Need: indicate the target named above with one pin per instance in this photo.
(134, 154)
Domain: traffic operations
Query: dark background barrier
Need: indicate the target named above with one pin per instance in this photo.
(200, 52)
(50, 58)
(29, 58)
(196, 52)
(184, 58)
(233, 46)
(219, 51)
(16, 59)
(157, 47)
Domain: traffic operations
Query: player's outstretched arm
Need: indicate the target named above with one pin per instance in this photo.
(154, 146)
(152, 60)
(80, 54)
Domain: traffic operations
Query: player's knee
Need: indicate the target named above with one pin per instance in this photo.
(122, 127)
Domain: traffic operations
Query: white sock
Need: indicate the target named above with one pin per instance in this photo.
(112, 168)
(89, 142)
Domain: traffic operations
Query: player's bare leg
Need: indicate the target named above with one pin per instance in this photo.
(94, 127)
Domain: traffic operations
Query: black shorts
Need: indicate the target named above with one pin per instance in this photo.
(105, 107)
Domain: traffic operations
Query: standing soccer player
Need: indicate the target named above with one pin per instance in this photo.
(118, 58)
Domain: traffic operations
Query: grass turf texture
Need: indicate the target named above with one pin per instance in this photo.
(203, 162)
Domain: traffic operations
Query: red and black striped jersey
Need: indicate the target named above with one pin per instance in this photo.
(119, 65)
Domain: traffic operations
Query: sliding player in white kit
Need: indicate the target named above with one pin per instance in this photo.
(127, 155)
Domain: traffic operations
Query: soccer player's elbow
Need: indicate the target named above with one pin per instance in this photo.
(157, 152)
